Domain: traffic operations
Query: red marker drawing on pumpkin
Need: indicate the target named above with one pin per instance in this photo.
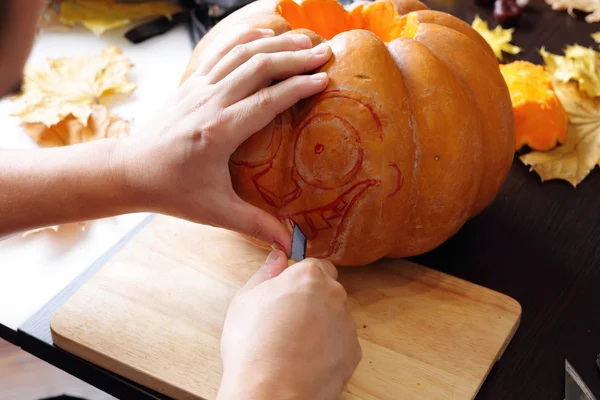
(335, 172)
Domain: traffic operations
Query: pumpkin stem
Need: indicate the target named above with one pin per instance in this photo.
(328, 18)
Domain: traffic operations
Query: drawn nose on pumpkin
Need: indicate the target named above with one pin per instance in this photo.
(277, 186)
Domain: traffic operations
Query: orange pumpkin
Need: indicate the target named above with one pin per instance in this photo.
(540, 118)
(413, 136)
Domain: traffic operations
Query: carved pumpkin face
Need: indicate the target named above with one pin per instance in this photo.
(412, 137)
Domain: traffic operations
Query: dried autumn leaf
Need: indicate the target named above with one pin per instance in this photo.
(588, 6)
(102, 15)
(579, 64)
(499, 39)
(101, 125)
(580, 153)
(71, 86)
(50, 18)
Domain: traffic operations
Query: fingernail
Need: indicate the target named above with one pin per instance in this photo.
(320, 77)
(273, 256)
(267, 32)
(320, 49)
(302, 41)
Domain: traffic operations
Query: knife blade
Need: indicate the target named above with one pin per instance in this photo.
(575, 387)
(298, 245)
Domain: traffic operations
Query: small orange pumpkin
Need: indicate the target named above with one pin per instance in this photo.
(540, 118)
(413, 136)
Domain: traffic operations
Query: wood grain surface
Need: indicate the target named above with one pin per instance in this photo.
(154, 315)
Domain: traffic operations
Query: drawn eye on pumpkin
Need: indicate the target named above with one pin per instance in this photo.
(328, 152)
(260, 148)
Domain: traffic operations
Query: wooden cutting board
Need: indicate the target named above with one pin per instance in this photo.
(154, 315)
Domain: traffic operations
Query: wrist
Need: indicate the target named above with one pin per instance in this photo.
(135, 167)
(119, 169)
(255, 386)
(102, 166)
(62, 185)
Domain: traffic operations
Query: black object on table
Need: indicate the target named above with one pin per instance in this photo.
(538, 243)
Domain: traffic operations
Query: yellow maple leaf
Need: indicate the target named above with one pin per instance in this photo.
(50, 18)
(102, 15)
(588, 6)
(101, 124)
(71, 86)
(580, 153)
(579, 64)
(499, 39)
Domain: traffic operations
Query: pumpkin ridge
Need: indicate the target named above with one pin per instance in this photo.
(487, 145)
(339, 93)
(406, 52)
(451, 22)
(475, 107)
(407, 6)
(414, 195)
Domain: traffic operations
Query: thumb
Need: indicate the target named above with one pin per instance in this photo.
(259, 224)
(275, 264)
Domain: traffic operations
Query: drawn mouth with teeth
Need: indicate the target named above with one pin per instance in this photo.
(327, 222)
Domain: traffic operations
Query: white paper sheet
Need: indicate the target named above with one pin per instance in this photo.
(35, 268)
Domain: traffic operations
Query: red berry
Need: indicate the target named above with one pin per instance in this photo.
(506, 12)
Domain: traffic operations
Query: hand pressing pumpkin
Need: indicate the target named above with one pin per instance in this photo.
(413, 135)
(540, 118)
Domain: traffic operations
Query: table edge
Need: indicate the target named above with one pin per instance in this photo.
(34, 336)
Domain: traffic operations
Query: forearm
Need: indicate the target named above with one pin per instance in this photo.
(44, 187)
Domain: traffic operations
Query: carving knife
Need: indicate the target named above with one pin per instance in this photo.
(298, 245)
(575, 387)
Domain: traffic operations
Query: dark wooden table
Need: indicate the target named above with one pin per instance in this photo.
(538, 243)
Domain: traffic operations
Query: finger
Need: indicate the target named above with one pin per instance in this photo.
(240, 34)
(262, 69)
(357, 351)
(338, 291)
(257, 111)
(326, 267)
(243, 52)
(258, 224)
(275, 264)
(357, 354)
